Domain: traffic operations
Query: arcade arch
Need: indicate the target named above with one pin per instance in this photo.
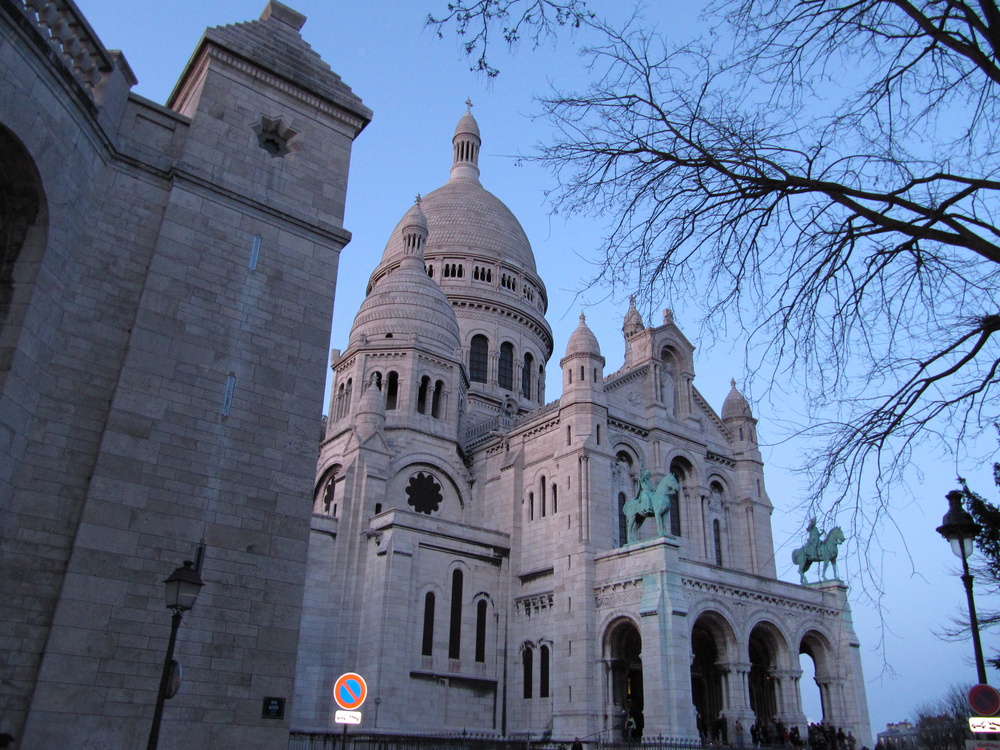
(623, 658)
(712, 648)
(817, 648)
(23, 224)
(767, 651)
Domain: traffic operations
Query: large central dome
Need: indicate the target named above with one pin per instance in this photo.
(478, 254)
(464, 217)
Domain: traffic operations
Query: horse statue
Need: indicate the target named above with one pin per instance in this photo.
(650, 501)
(819, 551)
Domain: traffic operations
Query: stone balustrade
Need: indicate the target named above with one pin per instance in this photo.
(71, 38)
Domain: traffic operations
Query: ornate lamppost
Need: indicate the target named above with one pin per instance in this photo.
(182, 589)
(958, 528)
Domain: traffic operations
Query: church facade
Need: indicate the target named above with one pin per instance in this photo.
(470, 553)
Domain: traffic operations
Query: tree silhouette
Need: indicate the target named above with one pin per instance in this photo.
(823, 176)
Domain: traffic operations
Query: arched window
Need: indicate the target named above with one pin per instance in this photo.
(455, 627)
(681, 469)
(481, 631)
(527, 658)
(622, 526)
(717, 533)
(436, 400)
(377, 379)
(543, 672)
(478, 358)
(555, 498)
(526, 373)
(425, 383)
(391, 390)
(505, 370)
(531, 506)
(428, 641)
(541, 497)
(338, 409)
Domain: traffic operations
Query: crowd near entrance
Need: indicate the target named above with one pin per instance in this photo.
(744, 690)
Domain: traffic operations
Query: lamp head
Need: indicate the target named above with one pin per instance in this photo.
(958, 527)
(182, 587)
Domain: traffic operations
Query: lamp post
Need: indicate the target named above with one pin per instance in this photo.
(958, 528)
(182, 587)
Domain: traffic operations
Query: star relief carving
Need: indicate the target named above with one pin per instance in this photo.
(275, 137)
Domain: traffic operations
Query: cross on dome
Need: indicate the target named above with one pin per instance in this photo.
(468, 105)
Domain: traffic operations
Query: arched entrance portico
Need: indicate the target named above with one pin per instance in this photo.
(623, 658)
(763, 662)
(711, 640)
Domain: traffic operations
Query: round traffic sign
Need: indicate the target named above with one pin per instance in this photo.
(350, 691)
(984, 700)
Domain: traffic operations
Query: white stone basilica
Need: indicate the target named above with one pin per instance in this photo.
(468, 553)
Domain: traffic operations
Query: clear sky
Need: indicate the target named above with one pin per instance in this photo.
(416, 84)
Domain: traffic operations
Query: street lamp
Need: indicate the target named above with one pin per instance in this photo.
(958, 528)
(182, 589)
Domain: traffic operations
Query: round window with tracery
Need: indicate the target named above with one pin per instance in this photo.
(423, 493)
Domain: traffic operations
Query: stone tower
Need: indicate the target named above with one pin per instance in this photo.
(168, 274)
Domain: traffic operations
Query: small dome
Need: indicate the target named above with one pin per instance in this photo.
(633, 320)
(736, 405)
(405, 301)
(414, 218)
(467, 125)
(583, 340)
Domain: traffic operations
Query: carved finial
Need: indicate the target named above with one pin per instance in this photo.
(418, 199)
(468, 105)
(668, 315)
(732, 382)
(583, 318)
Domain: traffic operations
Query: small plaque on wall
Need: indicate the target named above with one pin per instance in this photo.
(274, 708)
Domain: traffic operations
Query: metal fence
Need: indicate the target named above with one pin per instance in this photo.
(334, 741)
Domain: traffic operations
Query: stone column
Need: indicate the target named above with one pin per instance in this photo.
(790, 698)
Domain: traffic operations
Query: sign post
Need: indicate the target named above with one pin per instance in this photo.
(349, 691)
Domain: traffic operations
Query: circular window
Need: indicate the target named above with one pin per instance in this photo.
(423, 493)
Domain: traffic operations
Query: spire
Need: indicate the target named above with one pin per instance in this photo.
(466, 143)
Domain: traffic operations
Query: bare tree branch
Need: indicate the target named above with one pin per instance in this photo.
(477, 20)
(824, 175)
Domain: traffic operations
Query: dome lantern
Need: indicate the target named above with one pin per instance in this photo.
(466, 143)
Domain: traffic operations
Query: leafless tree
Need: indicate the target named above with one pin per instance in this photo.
(944, 724)
(822, 174)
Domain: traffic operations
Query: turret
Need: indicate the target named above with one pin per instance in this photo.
(583, 366)
(738, 417)
(466, 143)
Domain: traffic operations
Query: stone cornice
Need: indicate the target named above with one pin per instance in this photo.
(740, 594)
